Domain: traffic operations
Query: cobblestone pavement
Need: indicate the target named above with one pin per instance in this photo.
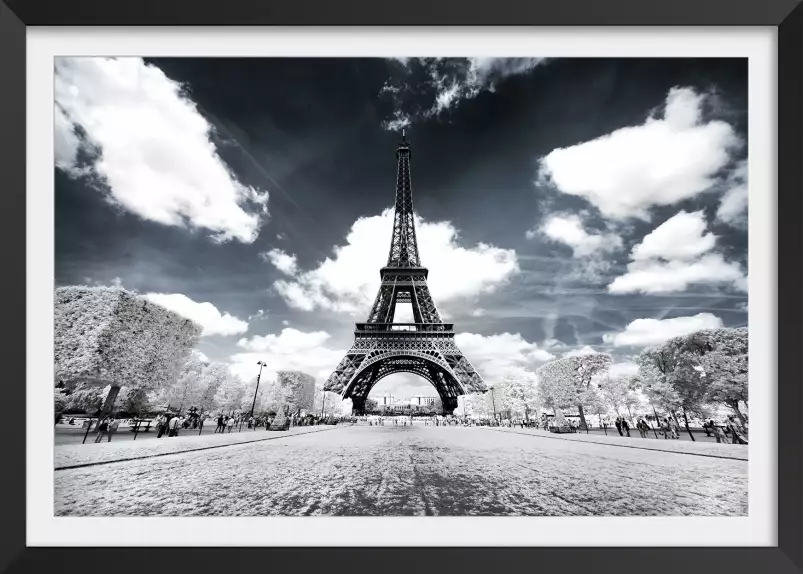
(396, 471)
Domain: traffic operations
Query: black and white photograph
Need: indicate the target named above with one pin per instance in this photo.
(394, 287)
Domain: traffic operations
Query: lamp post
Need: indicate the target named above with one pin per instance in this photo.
(254, 402)
(493, 402)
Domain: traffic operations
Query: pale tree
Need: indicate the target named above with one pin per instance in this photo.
(112, 337)
(186, 389)
(519, 393)
(60, 402)
(325, 402)
(597, 405)
(568, 380)
(721, 358)
(300, 389)
(213, 376)
(230, 394)
(275, 396)
(619, 394)
(473, 406)
(670, 380)
(344, 407)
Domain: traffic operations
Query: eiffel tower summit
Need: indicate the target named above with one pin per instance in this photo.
(425, 347)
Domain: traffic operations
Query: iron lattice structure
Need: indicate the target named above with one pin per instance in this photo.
(425, 347)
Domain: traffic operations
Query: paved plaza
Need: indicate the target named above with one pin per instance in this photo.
(401, 471)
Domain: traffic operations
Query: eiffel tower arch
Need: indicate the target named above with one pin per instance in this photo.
(425, 347)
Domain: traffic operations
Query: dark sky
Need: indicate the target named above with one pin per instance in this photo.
(196, 179)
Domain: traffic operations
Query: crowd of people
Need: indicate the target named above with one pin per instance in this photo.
(106, 427)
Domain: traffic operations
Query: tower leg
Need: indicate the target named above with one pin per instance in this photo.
(449, 405)
(357, 406)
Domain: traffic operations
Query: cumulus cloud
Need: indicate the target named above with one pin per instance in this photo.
(619, 370)
(733, 205)
(282, 261)
(497, 355)
(674, 256)
(348, 281)
(444, 83)
(660, 162)
(569, 230)
(205, 314)
(682, 236)
(644, 332)
(289, 350)
(582, 352)
(673, 276)
(150, 148)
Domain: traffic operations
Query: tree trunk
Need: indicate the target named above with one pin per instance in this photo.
(686, 420)
(632, 424)
(108, 404)
(582, 417)
(735, 406)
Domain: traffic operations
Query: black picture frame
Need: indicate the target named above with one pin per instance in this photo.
(784, 15)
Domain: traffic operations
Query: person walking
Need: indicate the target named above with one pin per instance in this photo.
(675, 429)
(230, 423)
(113, 424)
(626, 427)
(619, 425)
(719, 433)
(174, 422)
(665, 428)
(221, 424)
(642, 428)
(103, 428)
(159, 422)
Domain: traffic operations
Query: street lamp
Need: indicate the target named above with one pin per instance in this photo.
(253, 404)
(493, 402)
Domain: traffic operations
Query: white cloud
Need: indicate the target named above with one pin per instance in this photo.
(289, 350)
(683, 236)
(285, 322)
(258, 315)
(65, 142)
(644, 332)
(205, 314)
(580, 352)
(348, 281)
(676, 255)
(619, 370)
(733, 205)
(477, 312)
(656, 277)
(495, 356)
(285, 263)
(659, 162)
(153, 148)
(451, 81)
(569, 229)
(200, 356)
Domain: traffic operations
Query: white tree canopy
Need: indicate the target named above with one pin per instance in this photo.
(113, 335)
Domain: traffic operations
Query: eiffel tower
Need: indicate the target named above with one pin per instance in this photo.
(382, 347)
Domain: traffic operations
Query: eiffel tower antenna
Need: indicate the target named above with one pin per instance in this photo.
(425, 347)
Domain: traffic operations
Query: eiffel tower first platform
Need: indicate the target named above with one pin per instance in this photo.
(426, 347)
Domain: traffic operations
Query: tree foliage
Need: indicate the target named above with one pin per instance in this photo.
(691, 371)
(567, 382)
(298, 390)
(113, 335)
